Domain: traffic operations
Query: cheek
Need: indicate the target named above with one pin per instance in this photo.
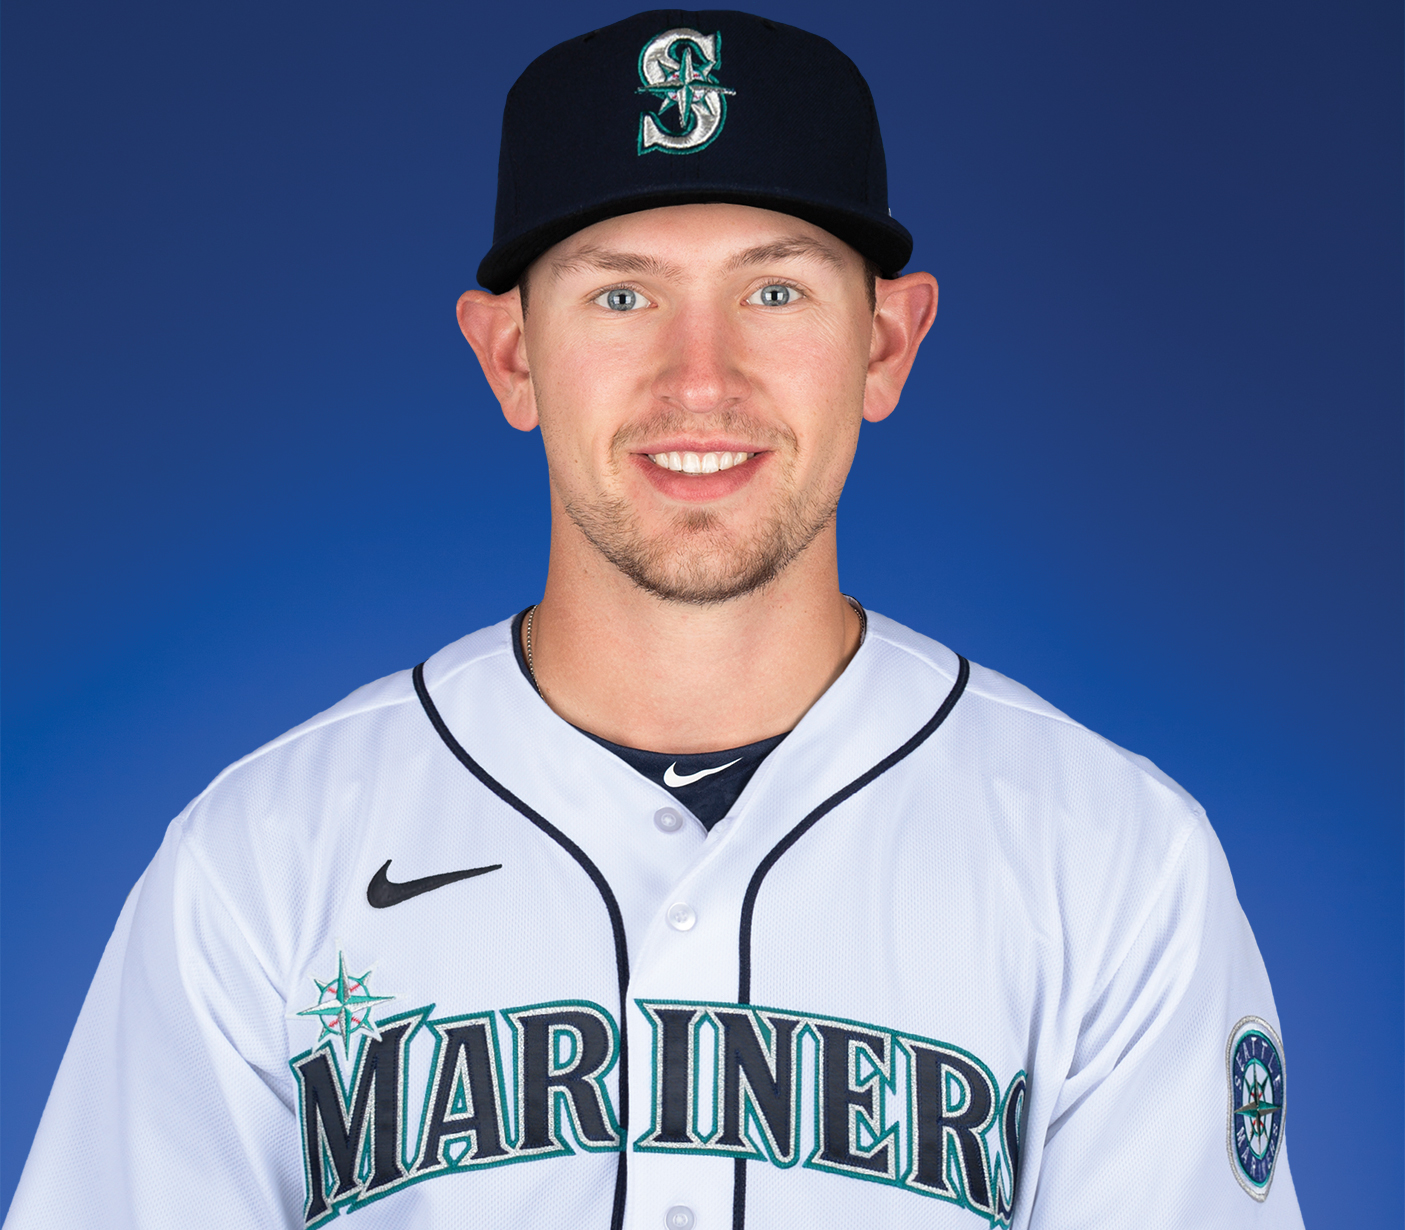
(826, 348)
(582, 367)
(819, 374)
(583, 390)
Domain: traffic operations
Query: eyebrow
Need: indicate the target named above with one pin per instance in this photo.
(794, 247)
(611, 261)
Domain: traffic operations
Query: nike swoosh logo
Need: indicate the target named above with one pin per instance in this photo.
(383, 892)
(670, 778)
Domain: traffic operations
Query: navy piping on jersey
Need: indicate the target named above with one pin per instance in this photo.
(781, 847)
(606, 893)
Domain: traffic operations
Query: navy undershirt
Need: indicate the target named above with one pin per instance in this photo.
(717, 778)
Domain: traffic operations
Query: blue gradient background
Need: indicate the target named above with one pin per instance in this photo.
(1148, 463)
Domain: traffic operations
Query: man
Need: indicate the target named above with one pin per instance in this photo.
(694, 895)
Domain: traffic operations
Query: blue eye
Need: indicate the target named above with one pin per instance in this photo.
(774, 296)
(622, 300)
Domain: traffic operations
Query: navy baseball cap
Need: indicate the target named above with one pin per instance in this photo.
(673, 107)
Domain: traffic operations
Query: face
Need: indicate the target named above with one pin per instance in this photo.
(699, 376)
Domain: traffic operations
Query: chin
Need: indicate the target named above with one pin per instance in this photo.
(708, 565)
(702, 587)
(697, 558)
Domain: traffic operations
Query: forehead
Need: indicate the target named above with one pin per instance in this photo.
(682, 242)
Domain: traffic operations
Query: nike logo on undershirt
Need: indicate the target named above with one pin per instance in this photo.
(382, 892)
(670, 778)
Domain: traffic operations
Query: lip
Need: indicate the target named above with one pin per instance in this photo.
(699, 488)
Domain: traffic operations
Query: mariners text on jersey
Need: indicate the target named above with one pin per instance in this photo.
(882, 1106)
(949, 959)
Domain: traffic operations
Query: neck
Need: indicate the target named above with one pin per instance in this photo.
(673, 677)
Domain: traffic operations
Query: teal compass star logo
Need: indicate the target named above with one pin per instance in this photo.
(344, 1006)
(686, 87)
(1259, 1107)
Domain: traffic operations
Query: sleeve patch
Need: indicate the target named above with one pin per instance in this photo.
(1257, 1084)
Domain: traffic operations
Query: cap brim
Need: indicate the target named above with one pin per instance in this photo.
(879, 238)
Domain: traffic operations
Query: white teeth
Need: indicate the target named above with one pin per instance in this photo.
(696, 463)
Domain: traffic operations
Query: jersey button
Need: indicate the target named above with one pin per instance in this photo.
(679, 1217)
(666, 820)
(681, 917)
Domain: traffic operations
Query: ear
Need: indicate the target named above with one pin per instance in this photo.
(907, 306)
(493, 326)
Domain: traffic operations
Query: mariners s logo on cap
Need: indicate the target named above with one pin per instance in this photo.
(676, 67)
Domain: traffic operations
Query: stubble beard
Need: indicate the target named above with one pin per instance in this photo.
(698, 559)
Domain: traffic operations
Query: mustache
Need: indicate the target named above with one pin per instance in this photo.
(722, 423)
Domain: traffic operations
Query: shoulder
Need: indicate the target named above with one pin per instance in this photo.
(1052, 773)
(277, 846)
(289, 781)
(997, 698)
(1091, 840)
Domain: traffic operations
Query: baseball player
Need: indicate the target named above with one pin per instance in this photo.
(694, 895)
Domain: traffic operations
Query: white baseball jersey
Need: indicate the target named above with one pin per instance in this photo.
(436, 958)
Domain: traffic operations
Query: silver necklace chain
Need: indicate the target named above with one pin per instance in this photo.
(532, 611)
(863, 617)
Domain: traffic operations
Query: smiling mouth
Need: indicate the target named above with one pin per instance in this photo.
(698, 463)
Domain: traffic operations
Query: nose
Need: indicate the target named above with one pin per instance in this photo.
(701, 371)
